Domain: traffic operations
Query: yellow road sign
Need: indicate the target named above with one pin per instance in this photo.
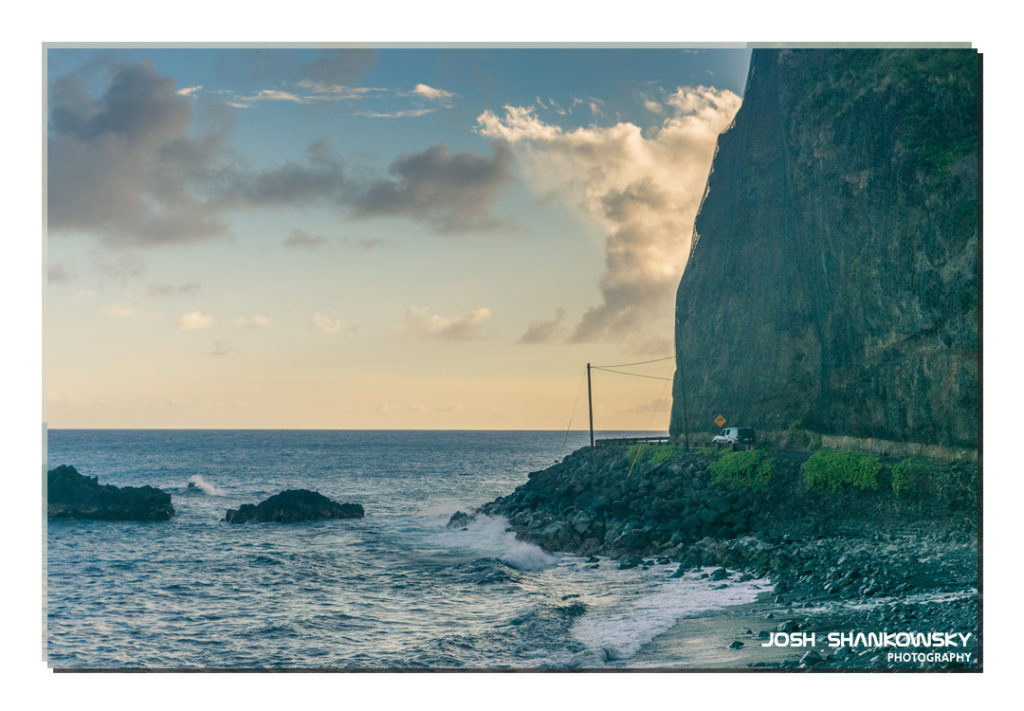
(719, 420)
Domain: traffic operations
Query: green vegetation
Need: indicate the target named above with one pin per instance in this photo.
(651, 454)
(910, 475)
(662, 454)
(707, 451)
(796, 436)
(837, 469)
(751, 468)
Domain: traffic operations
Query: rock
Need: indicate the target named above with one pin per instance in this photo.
(720, 574)
(787, 626)
(293, 505)
(460, 520)
(73, 495)
(736, 644)
(810, 658)
(630, 562)
(593, 559)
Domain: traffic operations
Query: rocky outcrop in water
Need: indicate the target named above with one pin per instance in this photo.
(73, 495)
(833, 276)
(291, 506)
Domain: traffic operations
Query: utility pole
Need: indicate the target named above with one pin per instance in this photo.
(590, 404)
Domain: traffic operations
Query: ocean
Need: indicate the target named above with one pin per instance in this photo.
(393, 590)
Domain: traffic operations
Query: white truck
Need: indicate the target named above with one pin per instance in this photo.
(735, 438)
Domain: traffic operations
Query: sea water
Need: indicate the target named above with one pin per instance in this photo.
(395, 589)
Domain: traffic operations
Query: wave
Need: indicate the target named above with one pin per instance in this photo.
(620, 632)
(198, 482)
(488, 535)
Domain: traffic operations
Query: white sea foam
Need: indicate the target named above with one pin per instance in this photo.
(206, 486)
(488, 536)
(619, 631)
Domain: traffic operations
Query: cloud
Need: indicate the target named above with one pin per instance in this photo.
(123, 165)
(644, 186)
(88, 294)
(119, 311)
(300, 239)
(338, 66)
(190, 90)
(58, 274)
(428, 92)
(329, 326)
(138, 163)
(157, 290)
(194, 320)
(250, 322)
(545, 331)
(452, 192)
(403, 113)
(654, 107)
(339, 92)
(462, 328)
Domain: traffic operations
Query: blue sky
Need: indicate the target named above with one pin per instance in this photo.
(369, 238)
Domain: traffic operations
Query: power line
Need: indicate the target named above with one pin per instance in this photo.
(635, 375)
(643, 362)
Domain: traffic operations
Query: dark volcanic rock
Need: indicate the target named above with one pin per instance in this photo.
(293, 505)
(460, 520)
(73, 495)
(834, 268)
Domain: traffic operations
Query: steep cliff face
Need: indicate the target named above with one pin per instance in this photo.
(834, 274)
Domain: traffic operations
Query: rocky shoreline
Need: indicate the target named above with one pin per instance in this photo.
(870, 560)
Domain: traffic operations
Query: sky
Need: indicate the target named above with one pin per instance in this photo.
(360, 238)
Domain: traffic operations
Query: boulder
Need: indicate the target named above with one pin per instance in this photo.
(460, 520)
(73, 495)
(293, 505)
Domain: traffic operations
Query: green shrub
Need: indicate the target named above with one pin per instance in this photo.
(909, 475)
(796, 435)
(837, 469)
(651, 454)
(707, 452)
(637, 452)
(662, 453)
(751, 468)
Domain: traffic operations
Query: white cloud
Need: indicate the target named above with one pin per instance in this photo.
(250, 322)
(119, 311)
(396, 114)
(194, 320)
(429, 92)
(644, 186)
(654, 107)
(461, 328)
(329, 326)
(190, 90)
(88, 294)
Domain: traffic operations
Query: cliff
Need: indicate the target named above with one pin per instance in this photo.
(833, 277)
